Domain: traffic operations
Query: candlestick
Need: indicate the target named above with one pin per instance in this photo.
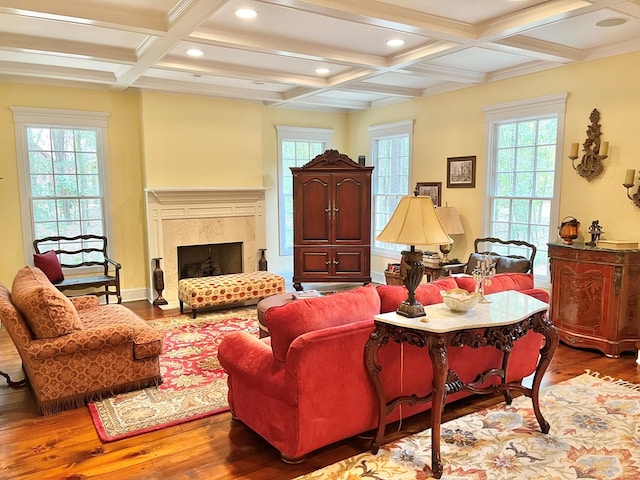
(574, 150)
(629, 177)
(604, 148)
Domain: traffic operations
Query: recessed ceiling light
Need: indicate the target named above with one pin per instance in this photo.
(246, 13)
(322, 71)
(612, 22)
(395, 42)
(195, 52)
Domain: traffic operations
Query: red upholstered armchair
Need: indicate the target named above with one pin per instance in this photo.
(307, 385)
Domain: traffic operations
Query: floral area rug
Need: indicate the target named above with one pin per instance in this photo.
(595, 434)
(195, 385)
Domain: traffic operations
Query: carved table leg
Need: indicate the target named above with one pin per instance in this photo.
(508, 398)
(544, 326)
(440, 365)
(377, 338)
(12, 383)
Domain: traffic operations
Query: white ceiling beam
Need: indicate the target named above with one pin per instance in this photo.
(186, 22)
(284, 47)
(59, 73)
(308, 97)
(448, 74)
(15, 42)
(239, 71)
(539, 15)
(89, 13)
(531, 47)
(150, 83)
(376, 89)
(381, 14)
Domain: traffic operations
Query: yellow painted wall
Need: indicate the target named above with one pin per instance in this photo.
(194, 141)
(452, 124)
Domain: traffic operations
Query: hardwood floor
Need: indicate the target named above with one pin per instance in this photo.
(65, 445)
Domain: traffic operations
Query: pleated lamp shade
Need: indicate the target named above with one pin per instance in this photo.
(415, 222)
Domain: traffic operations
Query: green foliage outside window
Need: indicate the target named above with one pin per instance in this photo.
(524, 182)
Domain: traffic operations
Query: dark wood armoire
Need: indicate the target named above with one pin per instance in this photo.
(332, 220)
(595, 297)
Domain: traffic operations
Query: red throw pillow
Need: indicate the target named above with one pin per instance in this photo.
(427, 293)
(50, 265)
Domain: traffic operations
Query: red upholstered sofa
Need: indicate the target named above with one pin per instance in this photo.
(307, 386)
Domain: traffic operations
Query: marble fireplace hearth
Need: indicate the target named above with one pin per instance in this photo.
(179, 217)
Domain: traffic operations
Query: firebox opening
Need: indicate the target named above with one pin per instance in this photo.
(208, 260)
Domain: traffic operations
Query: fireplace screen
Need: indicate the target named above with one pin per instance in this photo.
(209, 260)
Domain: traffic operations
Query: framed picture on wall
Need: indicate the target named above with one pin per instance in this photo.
(461, 172)
(430, 189)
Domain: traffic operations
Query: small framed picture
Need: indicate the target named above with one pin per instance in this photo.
(429, 189)
(461, 172)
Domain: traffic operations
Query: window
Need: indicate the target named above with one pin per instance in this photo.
(61, 157)
(391, 157)
(524, 174)
(296, 146)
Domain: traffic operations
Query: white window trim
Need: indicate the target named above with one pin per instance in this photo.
(29, 116)
(383, 131)
(296, 133)
(520, 110)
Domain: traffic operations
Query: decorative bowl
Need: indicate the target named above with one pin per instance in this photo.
(459, 300)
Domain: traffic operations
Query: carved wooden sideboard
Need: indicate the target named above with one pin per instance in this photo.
(595, 297)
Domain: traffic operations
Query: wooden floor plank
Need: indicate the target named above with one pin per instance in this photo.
(66, 446)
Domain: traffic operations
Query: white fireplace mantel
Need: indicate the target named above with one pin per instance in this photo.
(205, 195)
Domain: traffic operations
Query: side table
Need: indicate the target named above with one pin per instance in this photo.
(507, 318)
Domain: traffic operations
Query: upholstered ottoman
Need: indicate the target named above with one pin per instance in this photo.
(206, 292)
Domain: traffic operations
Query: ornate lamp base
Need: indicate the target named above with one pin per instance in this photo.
(411, 271)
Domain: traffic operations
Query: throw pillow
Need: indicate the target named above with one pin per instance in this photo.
(287, 322)
(475, 258)
(513, 265)
(46, 310)
(427, 293)
(50, 265)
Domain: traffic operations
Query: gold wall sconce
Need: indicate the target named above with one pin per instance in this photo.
(594, 152)
(629, 180)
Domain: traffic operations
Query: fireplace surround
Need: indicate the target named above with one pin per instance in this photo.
(179, 217)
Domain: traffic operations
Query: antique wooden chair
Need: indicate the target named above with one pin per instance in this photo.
(82, 252)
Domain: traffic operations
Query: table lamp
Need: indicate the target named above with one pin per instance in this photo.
(414, 222)
(452, 225)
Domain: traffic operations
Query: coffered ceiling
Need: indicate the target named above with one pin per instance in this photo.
(274, 57)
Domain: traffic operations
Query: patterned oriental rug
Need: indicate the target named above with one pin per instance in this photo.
(595, 434)
(195, 385)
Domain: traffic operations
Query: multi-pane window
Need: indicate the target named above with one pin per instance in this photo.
(391, 156)
(62, 181)
(523, 179)
(297, 147)
(66, 191)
